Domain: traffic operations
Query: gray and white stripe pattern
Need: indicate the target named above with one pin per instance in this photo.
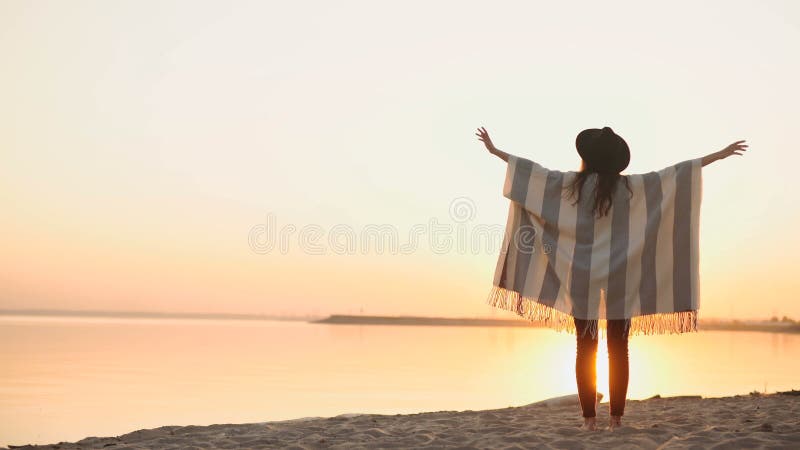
(641, 259)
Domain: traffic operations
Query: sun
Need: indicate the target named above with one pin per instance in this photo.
(602, 368)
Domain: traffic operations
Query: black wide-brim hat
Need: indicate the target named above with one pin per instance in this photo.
(602, 150)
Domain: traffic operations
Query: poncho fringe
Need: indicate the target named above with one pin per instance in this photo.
(541, 314)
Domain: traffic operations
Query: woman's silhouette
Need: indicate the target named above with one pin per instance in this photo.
(606, 154)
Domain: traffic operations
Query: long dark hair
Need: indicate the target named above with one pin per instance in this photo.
(607, 183)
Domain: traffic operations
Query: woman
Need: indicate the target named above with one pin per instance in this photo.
(604, 154)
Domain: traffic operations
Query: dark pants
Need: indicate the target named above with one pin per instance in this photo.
(585, 366)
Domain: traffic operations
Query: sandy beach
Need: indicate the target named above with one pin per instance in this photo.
(742, 421)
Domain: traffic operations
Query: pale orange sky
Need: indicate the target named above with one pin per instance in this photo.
(140, 142)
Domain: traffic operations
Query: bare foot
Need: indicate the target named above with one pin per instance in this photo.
(615, 422)
(589, 424)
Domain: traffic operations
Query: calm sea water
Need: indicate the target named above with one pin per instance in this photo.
(63, 379)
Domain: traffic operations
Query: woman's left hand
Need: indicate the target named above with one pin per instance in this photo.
(483, 135)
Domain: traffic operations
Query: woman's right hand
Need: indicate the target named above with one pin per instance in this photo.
(734, 149)
(737, 148)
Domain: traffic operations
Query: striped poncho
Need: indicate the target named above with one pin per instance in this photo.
(559, 261)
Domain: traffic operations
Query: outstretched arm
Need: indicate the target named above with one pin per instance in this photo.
(734, 149)
(483, 135)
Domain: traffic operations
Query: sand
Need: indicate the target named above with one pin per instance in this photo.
(742, 421)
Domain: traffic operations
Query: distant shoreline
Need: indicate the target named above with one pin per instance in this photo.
(148, 315)
(345, 319)
(715, 325)
(350, 319)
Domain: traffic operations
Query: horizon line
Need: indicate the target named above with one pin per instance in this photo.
(259, 316)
